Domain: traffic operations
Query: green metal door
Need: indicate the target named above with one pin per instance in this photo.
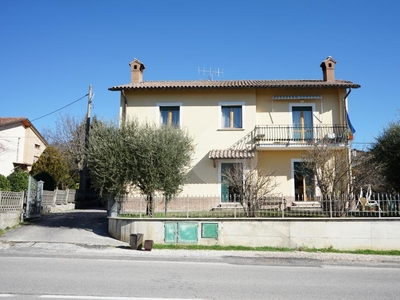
(187, 232)
(181, 232)
(170, 232)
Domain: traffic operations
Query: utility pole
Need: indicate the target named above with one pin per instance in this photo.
(84, 172)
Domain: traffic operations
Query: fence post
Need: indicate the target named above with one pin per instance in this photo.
(140, 210)
(283, 208)
(379, 208)
(234, 207)
(22, 200)
(55, 196)
(66, 196)
(330, 205)
(187, 206)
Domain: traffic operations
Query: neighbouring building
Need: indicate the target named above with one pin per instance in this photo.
(21, 145)
(271, 121)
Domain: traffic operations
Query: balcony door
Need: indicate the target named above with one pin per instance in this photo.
(302, 123)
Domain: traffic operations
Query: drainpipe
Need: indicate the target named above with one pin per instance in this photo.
(344, 106)
(348, 154)
(123, 117)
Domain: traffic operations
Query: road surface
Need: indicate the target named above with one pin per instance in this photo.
(70, 256)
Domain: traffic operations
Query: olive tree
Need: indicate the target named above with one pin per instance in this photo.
(140, 156)
(106, 158)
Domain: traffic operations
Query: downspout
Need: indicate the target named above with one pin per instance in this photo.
(123, 117)
(348, 153)
(345, 107)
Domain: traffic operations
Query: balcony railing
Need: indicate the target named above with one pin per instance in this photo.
(278, 134)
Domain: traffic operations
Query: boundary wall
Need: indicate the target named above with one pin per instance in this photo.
(10, 219)
(342, 234)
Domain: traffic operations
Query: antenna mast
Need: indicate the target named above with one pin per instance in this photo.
(212, 72)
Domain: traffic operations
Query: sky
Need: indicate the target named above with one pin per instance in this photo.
(51, 51)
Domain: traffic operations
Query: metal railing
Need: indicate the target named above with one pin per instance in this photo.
(334, 134)
(378, 206)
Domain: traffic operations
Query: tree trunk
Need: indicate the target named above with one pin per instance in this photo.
(150, 205)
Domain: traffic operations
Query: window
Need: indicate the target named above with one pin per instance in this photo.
(232, 116)
(169, 115)
(37, 146)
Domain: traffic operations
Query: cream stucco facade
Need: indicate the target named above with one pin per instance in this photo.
(278, 119)
(21, 145)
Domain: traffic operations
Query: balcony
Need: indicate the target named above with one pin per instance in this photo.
(278, 136)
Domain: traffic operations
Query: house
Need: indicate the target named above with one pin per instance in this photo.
(21, 144)
(271, 121)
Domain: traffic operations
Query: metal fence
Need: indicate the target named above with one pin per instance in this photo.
(11, 201)
(274, 206)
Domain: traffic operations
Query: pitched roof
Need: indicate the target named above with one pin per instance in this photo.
(25, 122)
(7, 121)
(234, 84)
(230, 154)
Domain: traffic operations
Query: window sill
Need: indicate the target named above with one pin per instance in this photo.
(230, 129)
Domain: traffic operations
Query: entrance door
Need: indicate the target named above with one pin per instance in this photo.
(304, 187)
(230, 173)
(302, 123)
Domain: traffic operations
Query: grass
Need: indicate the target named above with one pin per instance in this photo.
(273, 249)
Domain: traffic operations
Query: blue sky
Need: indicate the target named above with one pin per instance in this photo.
(51, 51)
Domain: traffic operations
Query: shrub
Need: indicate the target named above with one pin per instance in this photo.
(4, 183)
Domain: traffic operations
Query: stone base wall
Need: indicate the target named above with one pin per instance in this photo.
(343, 234)
(9, 219)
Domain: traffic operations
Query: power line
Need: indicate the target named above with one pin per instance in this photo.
(60, 108)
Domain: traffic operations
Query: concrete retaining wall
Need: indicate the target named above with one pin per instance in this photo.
(9, 219)
(344, 234)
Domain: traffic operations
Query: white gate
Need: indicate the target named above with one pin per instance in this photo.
(34, 199)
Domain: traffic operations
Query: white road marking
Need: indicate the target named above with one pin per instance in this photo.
(107, 298)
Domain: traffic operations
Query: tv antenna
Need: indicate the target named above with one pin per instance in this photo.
(212, 72)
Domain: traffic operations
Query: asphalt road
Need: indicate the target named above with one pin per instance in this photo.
(70, 256)
(73, 227)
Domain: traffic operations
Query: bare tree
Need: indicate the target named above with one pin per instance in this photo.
(250, 184)
(68, 137)
(338, 175)
(4, 148)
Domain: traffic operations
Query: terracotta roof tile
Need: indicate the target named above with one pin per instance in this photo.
(235, 84)
(232, 154)
(5, 121)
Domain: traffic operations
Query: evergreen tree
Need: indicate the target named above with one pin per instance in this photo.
(4, 183)
(18, 180)
(52, 168)
(386, 152)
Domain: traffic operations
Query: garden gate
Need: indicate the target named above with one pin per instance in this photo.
(34, 199)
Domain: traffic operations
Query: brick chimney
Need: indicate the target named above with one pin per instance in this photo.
(136, 71)
(328, 69)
